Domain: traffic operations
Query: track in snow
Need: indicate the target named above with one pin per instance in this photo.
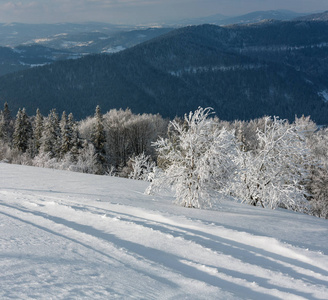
(64, 244)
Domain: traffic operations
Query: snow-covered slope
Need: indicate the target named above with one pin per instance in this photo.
(66, 235)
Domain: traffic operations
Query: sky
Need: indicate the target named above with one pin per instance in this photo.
(140, 11)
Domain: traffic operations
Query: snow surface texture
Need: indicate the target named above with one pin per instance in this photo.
(67, 235)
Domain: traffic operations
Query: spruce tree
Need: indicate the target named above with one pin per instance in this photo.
(17, 130)
(38, 130)
(50, 141)
(98, 140)
(75, 142)
(22, 131)
(6, 124)
(66, 135)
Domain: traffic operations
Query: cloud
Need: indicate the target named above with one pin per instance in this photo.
(17, 10)
(18, 5)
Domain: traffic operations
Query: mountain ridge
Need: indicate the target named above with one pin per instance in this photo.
(204, 65)
(323, 16)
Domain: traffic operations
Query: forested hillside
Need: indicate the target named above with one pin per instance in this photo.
(315, 17)
(243, 72)
(41, 51)
(24, 57)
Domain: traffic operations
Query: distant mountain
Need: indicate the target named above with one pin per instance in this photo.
(243, 72)
(253, 17)
(100, 42)
(14, 34)
(25, 57)
(259, 16)
(41, 51)
(52, 35)
(213, 19)
(315, 17)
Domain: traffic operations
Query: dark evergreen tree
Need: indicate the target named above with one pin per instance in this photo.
(6, 124)
(37, 130)
(17, 130)
(66, 135)
(50, 141)
(98, 140)
(75, 142)
(22, 131)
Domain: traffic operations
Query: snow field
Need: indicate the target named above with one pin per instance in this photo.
(66, 235)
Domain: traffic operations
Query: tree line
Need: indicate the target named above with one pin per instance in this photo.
(101, 144)
(267, 162)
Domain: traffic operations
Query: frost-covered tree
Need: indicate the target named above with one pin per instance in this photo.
(117, 136)
(98, 140)
(129, 135)
(37, 130)
(319, 191)
(85, 128)
(87, 159)
(199, 158)
(17, 130)
(140, 131)
(68, 136)
(142, 166)
(318, 179)
(6, 124)
(274, 175)
(50, 141)
(22, 131)
(75, 141)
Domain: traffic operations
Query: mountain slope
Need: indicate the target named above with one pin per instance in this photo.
(70, 235)
(15, 34)
(99, 42)
(24, 57)
(63, 46)
(253, 17)
(315, 17)
(259, 16)
(242, 72)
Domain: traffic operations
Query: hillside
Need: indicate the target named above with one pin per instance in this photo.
(69, 235)
(315, 17)
(15, 34)
(259, 16)
(253, 17)
(243, 72)
(100, 42)
(41, 51)
(26, 57)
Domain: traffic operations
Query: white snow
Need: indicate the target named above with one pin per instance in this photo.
(70, 44)
(33, 65)
(113, 49)
(196, 70)
(61, 34)
(324, 95)
(15, 50)
(66, 235)
(42, 40)
(278, 48)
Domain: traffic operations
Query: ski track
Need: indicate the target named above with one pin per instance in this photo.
(67, 242)
(241, 263)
